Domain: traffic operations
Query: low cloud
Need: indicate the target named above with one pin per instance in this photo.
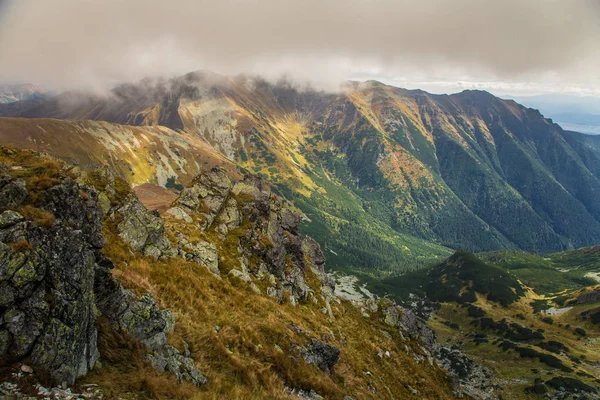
(75, 43)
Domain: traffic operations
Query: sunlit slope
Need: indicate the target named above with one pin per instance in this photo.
(462, 171)
(139, 154)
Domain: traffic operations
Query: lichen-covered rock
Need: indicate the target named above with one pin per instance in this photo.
(170, 359)
(47, 281)
(10, 218)
(179, 213)
(207, 195)
(269, 235)
(321, 354)
(200, 252)
(143, 230)
(391, 316)
(143, 320)
(13, 192)
(55, 282)
(146, 322)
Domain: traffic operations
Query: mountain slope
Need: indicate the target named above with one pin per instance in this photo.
(532, 320)
(464, 171)
(222, 299)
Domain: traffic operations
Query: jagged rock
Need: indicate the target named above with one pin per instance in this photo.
(244, 277)
(170, 359)
(179, 213)
(46, 285)
(471, 379)
(144, 321)
(9, 218)
(316, 261)
(418, 329)
(54, 280)
(271, 235)
(206, 196)
(13, 192)
(230, 215)
(391, 316)
(201, 252)
(143, 230)
(321, 354)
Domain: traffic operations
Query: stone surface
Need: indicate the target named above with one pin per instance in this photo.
(46, 286)
(269, 237)
(13, 192)
(200, 252)
(179, 213)
(143, 230)
(55, 282)
(322, 355)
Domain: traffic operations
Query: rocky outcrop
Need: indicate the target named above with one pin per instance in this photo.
(47, 282)
(143, 230)
(55, 282)
(322, 355)
(200, 252)
(265, 229)
(469, 378)
(143, 320)
(13, 191)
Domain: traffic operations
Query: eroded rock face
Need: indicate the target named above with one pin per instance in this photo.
(270, 234)
(143, 230)
(324, 356)
(47, 282)
(55, 282)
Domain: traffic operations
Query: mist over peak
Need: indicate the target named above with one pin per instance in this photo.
(69, 43)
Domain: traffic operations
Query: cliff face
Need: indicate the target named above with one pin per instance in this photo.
(55, 282)
(47, 283)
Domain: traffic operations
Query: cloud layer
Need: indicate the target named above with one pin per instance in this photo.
(66, 43)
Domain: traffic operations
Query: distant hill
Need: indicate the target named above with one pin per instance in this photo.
(20, 92)
(575, 113)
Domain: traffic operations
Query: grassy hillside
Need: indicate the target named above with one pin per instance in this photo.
(459, 279)
(534, 320)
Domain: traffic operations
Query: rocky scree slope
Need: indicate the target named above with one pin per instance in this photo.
(231, 248)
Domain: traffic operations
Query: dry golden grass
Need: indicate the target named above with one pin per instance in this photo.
(20, 246)
(37, 215)
(243, 342)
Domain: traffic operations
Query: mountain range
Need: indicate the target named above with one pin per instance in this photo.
(388, 179)
(179, 231)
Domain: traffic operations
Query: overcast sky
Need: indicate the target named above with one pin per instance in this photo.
(505, 46)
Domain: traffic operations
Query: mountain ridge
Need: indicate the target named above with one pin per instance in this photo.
(402, 155)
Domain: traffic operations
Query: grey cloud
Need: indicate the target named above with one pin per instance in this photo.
(85, 42)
